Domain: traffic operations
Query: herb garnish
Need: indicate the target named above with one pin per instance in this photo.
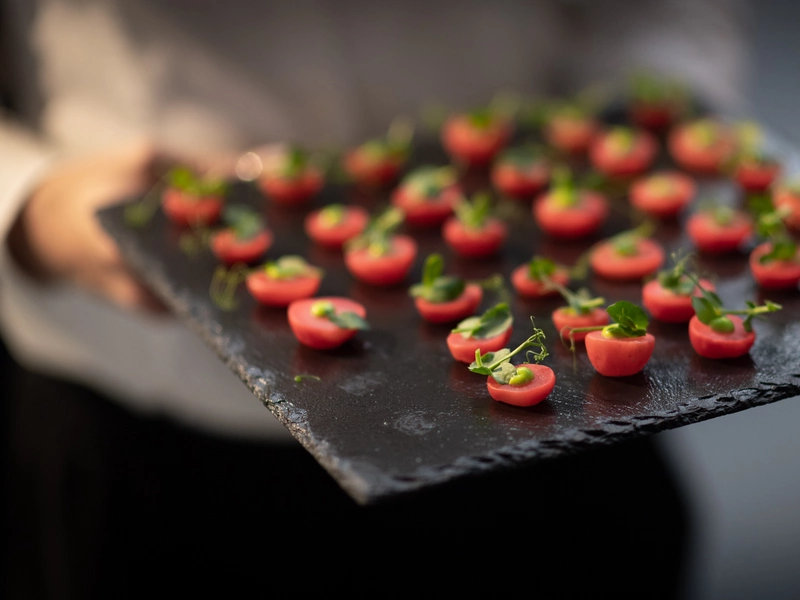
(377, 236)
(772, 226)
(434, 286)
(325, 309)
(491, 323)
(289, 266)
(473, 214)
(246, 222)
(711, 312)
(498, 365)
(194, 184)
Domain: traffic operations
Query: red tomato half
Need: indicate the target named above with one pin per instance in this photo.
(775, 274)
(531, 288)
(571, 133)
(463, 349)
(453, 310)
(712, 237)
(334, 235)
(229, 250)
(574, 221)
(530, 394)
(622, 157)
(713, 344)
(387, 269)
(274, 291)
(473, 144)
(292, 190)
(607, 262)
(318, 332)
(184, 209)
(655, 116)
(475, 243)
(369, 171)
(701, 146)
(565, 319)
(788, 198)
(662, 195)
(619, 356)
(667, 306)
(756, 176)
(520, 181)
(426, 212)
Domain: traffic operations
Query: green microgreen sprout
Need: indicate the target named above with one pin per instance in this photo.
(492, 322)
(621, 139)
(436, 287)
(245, 221)
(771, 225)
(305, 377)
(332, 214)
(580, 302)
(428, 182)
(705, 132)
(710, 311)
(525, 156)
(224, 283)
(324, 309)
(626, 243)
(377, 236)
(564, 187)
(195, 184)
(651, 88)
(541, 269)
(474, 213)
(628, 320)
(498, 364)
(138, 214)
(675, 278)
(289, 266)
(294, 163)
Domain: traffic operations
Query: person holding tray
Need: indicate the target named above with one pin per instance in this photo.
(135, 456)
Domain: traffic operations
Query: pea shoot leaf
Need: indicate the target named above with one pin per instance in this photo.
(245, 221)
(347, 320)
(705, 309)
(492, 322)
(631, 319)
(434, 286)
(540, 268)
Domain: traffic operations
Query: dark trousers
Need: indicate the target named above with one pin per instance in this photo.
(101, 503)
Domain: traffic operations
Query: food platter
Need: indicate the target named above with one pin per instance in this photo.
(391, 413)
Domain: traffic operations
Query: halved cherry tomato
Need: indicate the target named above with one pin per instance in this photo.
(296, 189)
(228, 249)
(774, 274)
(655, 116)
(319, 332)
(715, 232)
(619, 356)
(185, 209)
(452, 310)
(333, 226)
(623, 151)
(571, 221)
(463, 349)
(703, 145)
(532, 288)
(530, 394)
(475, 243)
(425, 207)
(646, 259)
(787, 197)
(475, 139)
(571, 132)
(518, 176)
(384, 269)
(565, 319)
(667, 306)
(276, 291)
(370, 166)
(714, 344)
(663, 194)
(756, 175)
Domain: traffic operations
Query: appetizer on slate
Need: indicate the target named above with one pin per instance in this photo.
(623, 151)
(717, 228)
(526, 384)
(474, 232)
(291, 177)
(378, 163)
(521, 172)
(427, 195)
(704, 146)
(281, 281)
(775, 262)
(627, 256)
(335, 224)
(327, 322)
(582, 310)
(655, 102)
(475, 138)
(533, 279)
(191, 199)
(663, 194)
(444, 298)
(786, 198)
(718, 332)
(754, 169)
(487, 332)
(571, 127)
(245, 237)
(568, 211)
(380, 255)
(668, 297)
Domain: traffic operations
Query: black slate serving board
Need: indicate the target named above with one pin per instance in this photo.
(392, 413)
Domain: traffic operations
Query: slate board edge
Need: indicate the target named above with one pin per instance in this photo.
(390, 486)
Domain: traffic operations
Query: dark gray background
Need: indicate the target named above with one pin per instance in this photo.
(743, 470)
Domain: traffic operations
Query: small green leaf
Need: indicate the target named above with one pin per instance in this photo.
(540, 269)
(705, 309)
(434, 267)
(504, 373)
(632, 320)
(492, 322)
(347, 320)
(288, 267)
(245, 221)
(436, 287)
